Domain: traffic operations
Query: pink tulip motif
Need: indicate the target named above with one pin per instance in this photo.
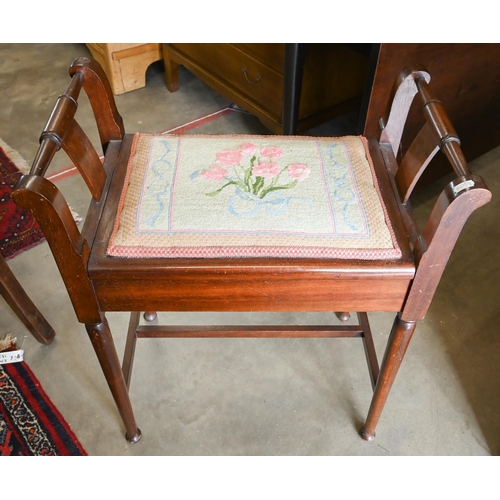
(272, 152)
(216, 173)
(299, 171)
(248, 148)
(266, 169)
(229, 158)
(254, 172)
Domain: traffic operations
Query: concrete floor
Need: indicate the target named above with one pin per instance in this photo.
(257, 397)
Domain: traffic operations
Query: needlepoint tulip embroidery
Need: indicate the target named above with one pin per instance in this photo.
(247, 196)
(256, 175)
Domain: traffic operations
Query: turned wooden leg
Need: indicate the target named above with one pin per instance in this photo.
(171, 71)
(14, 294)
(399, 339)
(102, 340)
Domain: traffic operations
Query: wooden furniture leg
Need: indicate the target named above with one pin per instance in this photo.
(128, 356)
(370, 352)
(399, 340)
(295, 55)
(171, 71)
(102, 341)
(14, 294)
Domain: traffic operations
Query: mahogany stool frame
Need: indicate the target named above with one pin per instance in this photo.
(97, 283)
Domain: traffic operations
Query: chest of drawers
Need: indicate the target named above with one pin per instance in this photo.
(252, 75)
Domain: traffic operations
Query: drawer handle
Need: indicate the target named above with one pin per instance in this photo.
(257, 80)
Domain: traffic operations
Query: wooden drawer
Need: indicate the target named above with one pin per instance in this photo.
(271, 54)
(237, 70)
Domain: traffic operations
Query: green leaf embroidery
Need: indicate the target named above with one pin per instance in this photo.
(215, 193)
(248, 174)
(259, 183)
(276, 188)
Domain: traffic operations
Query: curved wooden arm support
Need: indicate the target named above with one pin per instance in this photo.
(98, 89)
(70, 249)
(456, 203)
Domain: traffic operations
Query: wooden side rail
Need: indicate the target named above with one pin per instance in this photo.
(437, 132)
(459, 199)
(432, 247)
(42, 198)
(71, 250)
(63, 131)
(442, 129)
(57, 127)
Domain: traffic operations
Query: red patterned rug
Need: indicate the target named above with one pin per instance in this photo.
(30, 425)
(18, 229)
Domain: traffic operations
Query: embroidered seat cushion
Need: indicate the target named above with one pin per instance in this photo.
(251, 196)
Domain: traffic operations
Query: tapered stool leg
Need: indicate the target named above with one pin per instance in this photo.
(102, 340)
(399, 340)
(14, 294)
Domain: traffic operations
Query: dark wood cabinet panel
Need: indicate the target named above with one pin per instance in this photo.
(253, 76)
(466, 77)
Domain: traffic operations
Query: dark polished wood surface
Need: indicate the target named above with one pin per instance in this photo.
(289, 87)
(465, 77)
